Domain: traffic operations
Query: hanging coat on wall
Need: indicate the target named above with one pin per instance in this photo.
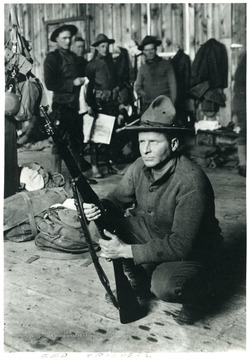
(182, 68)
(209, 75)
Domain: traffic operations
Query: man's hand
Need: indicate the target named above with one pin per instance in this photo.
(91, 112)
(91, 211)
(115, 93)
(79, 81)
(114, 248)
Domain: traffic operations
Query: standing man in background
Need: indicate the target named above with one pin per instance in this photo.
(62, 77)
(156, 76)
(239, 111)
(102, 94)
(78, 48)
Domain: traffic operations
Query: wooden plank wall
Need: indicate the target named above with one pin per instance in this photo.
(225, 22)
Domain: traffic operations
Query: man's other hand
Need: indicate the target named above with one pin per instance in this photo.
(114, 248)
(79, 81)
(91, 211)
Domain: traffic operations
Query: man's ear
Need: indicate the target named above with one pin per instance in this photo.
(174, 144)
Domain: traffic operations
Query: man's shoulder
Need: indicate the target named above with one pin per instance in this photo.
(137, 166)
(92, 63)
(191, 173)
(53, 55)
(81, 60)
(165, 62)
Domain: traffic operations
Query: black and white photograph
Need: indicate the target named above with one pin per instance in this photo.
(124, 197)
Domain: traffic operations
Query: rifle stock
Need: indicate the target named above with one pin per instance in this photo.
(129, 308)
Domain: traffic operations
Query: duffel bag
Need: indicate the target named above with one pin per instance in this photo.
(60, 230)
(23, 210)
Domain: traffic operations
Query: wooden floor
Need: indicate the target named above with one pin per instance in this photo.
(56, 303)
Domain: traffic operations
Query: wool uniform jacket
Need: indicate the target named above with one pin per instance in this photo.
(156, 78)
(101, 72)
(60, 70)
(174, 216)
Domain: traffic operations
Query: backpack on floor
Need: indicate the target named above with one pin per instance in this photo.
(60, 230)
(23, 210)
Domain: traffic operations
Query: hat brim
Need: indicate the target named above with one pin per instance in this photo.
(109, 41)
(157, 43)
(149, 128)
(73, 30)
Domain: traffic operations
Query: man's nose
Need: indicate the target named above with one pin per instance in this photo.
(147, 148)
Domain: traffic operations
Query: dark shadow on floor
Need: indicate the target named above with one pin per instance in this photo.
(231, 274)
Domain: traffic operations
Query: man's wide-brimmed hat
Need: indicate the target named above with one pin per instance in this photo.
(149, 40)
(101, 38)
(73, 30)
(159, 116)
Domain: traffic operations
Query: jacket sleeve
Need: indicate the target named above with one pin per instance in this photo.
(139, 83)
(53, 79)
(90, 74)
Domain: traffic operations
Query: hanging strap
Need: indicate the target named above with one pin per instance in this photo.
(31, 215)
(18, 45)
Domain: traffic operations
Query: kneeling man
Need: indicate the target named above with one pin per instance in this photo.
(171, 237)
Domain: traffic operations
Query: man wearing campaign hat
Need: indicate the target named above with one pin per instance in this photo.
(103, 87)
(169, 236)
(156, 76)
(62, 76)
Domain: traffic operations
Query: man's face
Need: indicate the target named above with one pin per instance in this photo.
(155, 148)
(64, 39)
(103, 49)
(149, 51)
(79, 48)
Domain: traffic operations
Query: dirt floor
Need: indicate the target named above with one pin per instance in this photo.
(58, 304)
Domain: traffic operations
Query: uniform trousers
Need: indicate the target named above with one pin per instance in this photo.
(175, 281)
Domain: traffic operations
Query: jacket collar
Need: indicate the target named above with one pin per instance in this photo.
(156, 60)
(162, 175)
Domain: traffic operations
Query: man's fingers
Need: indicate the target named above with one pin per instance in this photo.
(88, 206)
(103, 255)
(107, 233)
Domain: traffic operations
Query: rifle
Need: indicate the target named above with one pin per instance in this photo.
(129, 308)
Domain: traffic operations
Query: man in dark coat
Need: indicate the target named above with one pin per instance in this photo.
(78, 48)
(62, 77)
(102, 94)
(239, 110)
(169, 236)
(156, 76)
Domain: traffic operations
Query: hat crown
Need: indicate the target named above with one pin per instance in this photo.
(64, 27)
(148, 39)
(101, 38)
(161, 112)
